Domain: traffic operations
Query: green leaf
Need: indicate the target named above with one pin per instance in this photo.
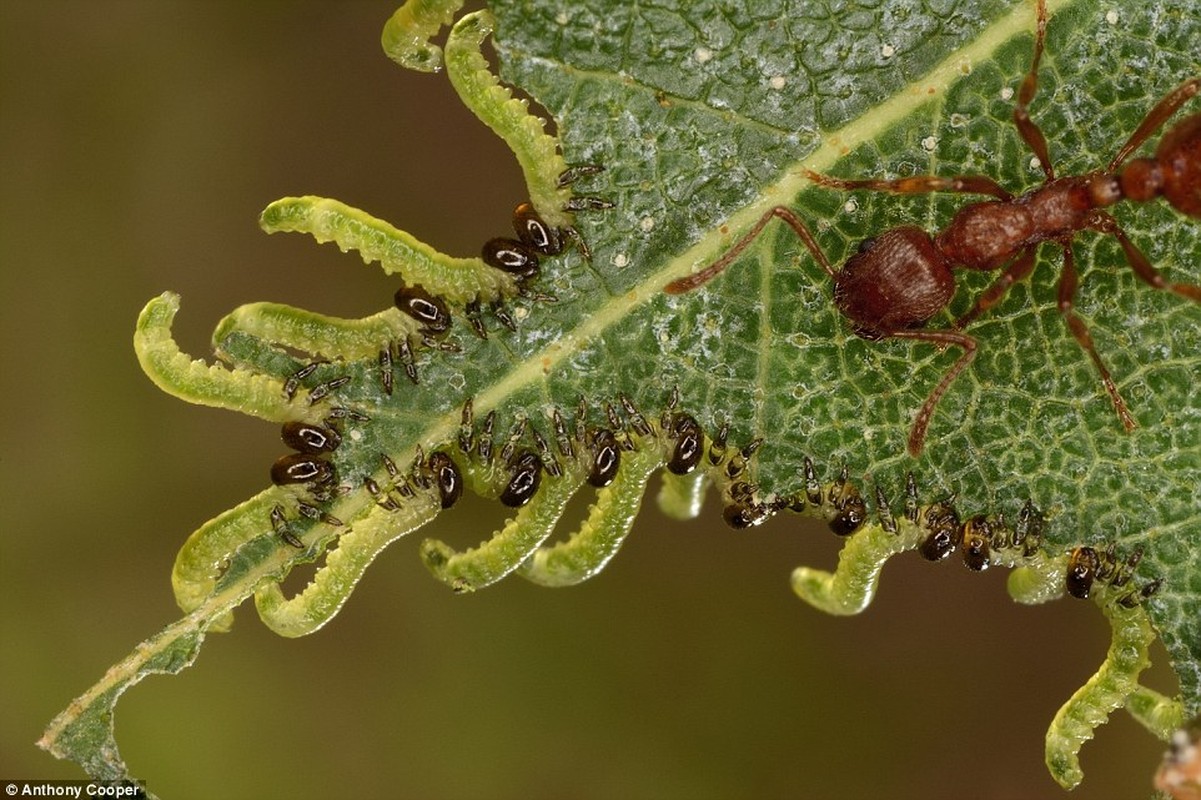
(705, 118)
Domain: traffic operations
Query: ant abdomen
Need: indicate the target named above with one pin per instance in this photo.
(897, 281)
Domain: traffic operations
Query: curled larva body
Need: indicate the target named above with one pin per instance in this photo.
(1106, 691)
(180, 375)
(459, 280)
(407, 33)
(537, 152)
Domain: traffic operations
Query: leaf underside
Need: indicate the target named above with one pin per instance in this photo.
(704, 119)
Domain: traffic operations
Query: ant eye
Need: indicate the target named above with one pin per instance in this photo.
(606, 461)
(300, 468)
(688, 449)
(447, 478)
(527, 476)
(312, 439)
(422, 306)
(867, 244)
(536, 234)
(511, 256)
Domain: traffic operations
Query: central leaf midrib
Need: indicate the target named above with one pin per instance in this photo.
(930, 87)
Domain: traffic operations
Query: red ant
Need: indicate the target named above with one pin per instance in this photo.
(901, 278)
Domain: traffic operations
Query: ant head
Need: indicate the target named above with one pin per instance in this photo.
(1179, 158)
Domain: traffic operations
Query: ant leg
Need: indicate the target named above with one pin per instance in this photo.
(1155, 119)
(1067, 290)
(918, 184)
(1022, 266)
(1032, 135)
(917, 434)
(780, 212)
(1104, 223)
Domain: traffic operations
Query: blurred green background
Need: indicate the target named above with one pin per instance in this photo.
(139, 139)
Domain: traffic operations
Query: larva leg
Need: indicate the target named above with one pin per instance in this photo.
(459, 280)
(588, 550)
(178, 374)
(851, 587)
(344, 566)
(317, 334)
(1105, 691)
(681, 496)
(507, 548)
(481, 91)
(407, 33)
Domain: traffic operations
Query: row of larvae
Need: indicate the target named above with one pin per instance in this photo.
(308, 466)
(518, 257)
(978, 538)
(839, 503)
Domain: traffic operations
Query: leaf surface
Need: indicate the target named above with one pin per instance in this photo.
(704, 119)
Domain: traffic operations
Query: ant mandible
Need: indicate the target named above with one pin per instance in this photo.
(901, 278)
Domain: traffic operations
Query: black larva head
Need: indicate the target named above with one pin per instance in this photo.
(741, 516)
(1082, 570)
(536, 234)
(852, 512)
(422, 306)
(976, 552)
(689, 445)
(606, 458)
(939, 544)
(942, 521)
(977, 537)
(301, 468)
(512, 257)
(447, 478)
(305, 437)
(524, 482)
